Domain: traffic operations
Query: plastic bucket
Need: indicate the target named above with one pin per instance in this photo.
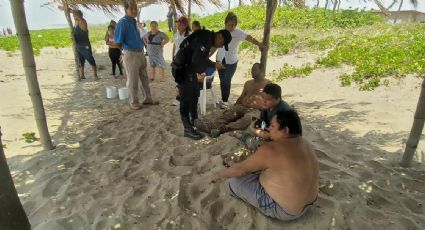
(111, 92)
(123, 93)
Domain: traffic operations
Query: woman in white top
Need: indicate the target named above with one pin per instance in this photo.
(230, 58)
(183, 30)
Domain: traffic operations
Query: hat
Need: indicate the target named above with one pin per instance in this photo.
(227, 38)
(183, 20)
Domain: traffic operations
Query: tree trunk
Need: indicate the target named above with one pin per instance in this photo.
(335, 5)
(67, 12)
(228, 6)
(399, 8)
(339, 4)
(173, 5)
(28, 61)
(317, 4)
(240, 2)
(416, 131)
(139, 8)
(189, 9)
(12, 215)
(326, 4)
(270, 9)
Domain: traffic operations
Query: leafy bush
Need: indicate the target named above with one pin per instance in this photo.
(290, 71)
(29, 137)
(57, 38)
(389, 52)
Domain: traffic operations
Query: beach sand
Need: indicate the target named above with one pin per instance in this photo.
(114, 168)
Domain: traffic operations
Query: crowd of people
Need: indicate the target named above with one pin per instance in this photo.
(280, 177)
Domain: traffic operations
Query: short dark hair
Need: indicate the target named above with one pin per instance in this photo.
(231, 17)
(78, 12)
(197, 24)
(291, 120)
(154, 22)
(111, 27)
(127, 3)
(273, 90)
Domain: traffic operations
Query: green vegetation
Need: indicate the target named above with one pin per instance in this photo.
(290, 71)
(29, 137)
(57, 38)
(4, 146)
(363, 40)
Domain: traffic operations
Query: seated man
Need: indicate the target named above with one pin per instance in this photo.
(258, 130)
(239, 116)
(281, 179)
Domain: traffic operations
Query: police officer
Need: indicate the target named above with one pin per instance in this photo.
(191, 59)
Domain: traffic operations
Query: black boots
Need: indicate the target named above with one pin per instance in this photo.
(189, 131)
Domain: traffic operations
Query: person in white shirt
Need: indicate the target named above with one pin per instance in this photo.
(230, 58)
(143, 31)
(183, 30)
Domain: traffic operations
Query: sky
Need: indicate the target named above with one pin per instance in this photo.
(39, 17)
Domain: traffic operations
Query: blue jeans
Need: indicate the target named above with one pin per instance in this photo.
(170, 24)
(226, 76)
(249, 189)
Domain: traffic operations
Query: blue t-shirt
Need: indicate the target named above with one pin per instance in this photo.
(127, 34)
(267, 115)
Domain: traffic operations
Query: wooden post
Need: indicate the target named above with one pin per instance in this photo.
(67, 12)
(28, 61)
(271, 8)
(12, 215)
(416, 131)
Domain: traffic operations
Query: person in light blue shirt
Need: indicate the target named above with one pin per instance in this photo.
(127, 36)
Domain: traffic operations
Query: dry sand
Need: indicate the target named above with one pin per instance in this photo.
(117, 169)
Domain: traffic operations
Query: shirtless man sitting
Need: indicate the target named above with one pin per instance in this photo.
(281, 178)
(239, 116)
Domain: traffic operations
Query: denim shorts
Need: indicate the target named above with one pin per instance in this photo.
(85, 53)
(249, 189)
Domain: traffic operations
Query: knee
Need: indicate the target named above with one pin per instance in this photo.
(230, 186)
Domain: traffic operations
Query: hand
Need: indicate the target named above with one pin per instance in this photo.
(219, 66)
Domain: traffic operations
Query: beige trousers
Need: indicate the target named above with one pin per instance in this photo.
(135, 67)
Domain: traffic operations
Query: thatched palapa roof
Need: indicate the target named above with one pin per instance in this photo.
(112, 5)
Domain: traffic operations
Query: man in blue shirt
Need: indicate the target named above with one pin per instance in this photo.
(127, 36)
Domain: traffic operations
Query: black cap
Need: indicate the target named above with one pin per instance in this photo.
(227, 38)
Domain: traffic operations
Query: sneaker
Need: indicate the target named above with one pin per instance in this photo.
(176, 102)
(223, 104)
(192, 134)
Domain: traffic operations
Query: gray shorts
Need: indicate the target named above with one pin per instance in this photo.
(249, 189)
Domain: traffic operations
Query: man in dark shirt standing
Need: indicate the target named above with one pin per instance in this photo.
(192, 59)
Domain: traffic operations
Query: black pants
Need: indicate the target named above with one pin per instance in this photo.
(189, 93)
(114, 55)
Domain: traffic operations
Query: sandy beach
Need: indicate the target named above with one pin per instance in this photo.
(114, 168)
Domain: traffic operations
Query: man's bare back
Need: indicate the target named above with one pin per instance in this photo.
(291, 178)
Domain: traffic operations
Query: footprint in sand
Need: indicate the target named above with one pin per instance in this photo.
(53, 186)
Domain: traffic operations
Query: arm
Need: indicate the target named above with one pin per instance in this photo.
(243, 94)
(82, 24)
(255, 42)
(106, 38)
(165, 40)
(145, 40)
(256, 162)
(119, 35)
(259, 132)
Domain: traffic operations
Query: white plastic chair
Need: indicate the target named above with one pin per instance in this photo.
(203, 94)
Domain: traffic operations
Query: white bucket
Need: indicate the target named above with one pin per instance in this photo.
(123, 93)
(111, 92)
